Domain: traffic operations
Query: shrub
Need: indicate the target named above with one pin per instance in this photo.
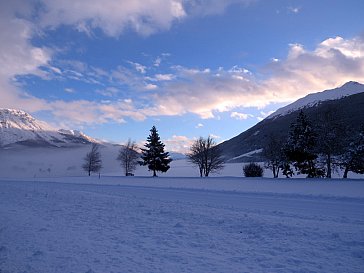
(253, 170)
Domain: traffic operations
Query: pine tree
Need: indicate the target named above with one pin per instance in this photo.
(300, 147)
(153, 155)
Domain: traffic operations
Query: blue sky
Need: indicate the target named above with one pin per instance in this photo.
(115, 68)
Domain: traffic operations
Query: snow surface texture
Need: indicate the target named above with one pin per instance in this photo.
(17, 125)
(348, 89)
(72, 227)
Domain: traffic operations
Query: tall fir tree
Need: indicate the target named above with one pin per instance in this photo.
(300, 147)
(153, 154)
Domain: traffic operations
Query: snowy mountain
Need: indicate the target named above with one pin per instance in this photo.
(348, 89)
(347, 101)
(18, 127)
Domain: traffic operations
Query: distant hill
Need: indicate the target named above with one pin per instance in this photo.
(20, 128)
(347, 101)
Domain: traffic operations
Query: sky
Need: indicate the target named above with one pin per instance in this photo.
(115, 68)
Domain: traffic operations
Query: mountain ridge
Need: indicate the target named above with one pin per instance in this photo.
(312, 99)
(348, 109)
(19, 127)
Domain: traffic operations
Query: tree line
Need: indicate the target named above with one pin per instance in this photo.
(203, 153)
(316, 150)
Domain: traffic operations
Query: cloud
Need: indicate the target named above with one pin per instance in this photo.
(294, 10)
(112, 16)
(161, 77)
(202, 91)
(138, 67)
(17, 27)
(263, 115)
(150, 86)
(200, 125)
(211, 7)
(108, 91)
(206, 92)
(240, 116)
(215, 136)
(179, 144)
(18, 56)
(159, 59)
(69, 90)
(82, 112)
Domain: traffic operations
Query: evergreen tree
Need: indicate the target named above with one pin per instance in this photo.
(93, 162)
(153, 154)
(300, 147)
(353, 158)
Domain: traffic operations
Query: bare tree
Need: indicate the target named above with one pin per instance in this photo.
(206, 155)
(196, 155)
(330, 135)
(93, 162)
(128, 157)
(274, 155)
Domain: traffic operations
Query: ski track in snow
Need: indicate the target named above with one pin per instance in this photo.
(84, 228)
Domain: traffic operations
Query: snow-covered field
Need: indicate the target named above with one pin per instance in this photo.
(143, 224)
(53, 218)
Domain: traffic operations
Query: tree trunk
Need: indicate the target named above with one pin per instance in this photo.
(274, 171)
(154, 173)
(277, 173)
(328, 163)
(89, 173)
(346, 172)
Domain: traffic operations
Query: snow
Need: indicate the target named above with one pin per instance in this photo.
(143, 224)
(31, 162)
(348, 89)
(54, 218)
(248, 154)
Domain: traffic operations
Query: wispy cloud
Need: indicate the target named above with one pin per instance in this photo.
(294, 10)
(108, 91)
(206, 92)
(240, 116)
(138, 67)
(69, 90)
